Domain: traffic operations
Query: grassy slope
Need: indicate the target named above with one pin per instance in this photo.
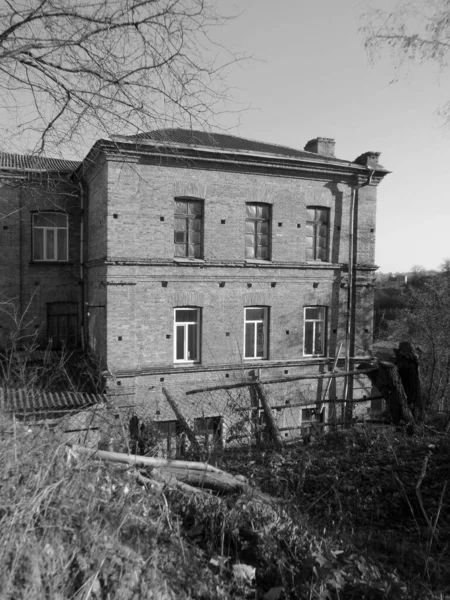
(342, 528)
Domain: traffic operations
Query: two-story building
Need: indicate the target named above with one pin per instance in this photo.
(183, 258)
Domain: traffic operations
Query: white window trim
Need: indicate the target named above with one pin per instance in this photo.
(265, 322)
(324, 331)
(185, 326)
(55, 241)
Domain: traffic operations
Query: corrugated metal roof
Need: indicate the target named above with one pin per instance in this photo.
(23, 162)
(31, 402)
(224, 141)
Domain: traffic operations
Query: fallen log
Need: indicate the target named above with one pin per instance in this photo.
(144, 461)
(200, 475)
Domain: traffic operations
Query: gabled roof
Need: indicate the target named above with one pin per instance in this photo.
(223, 141)
(23, 162)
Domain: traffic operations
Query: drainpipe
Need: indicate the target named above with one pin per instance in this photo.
(351, 283)
(82, 280)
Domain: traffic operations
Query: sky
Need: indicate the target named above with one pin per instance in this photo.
(310, 76)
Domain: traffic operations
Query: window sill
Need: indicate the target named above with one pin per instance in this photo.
(257, 261)
(188, 260)
(51, 262)
(191, 363)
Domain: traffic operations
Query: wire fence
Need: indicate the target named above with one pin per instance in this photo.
(173, 423)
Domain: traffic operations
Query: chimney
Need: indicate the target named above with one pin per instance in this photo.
(369, 159)
(321, 145)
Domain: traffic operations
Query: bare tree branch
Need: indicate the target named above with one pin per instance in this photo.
(109, 66)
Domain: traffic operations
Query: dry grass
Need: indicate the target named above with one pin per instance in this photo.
(83, 530)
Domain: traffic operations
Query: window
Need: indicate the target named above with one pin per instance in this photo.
(62, 324)
(317, 225)
(311, 416)
(257, 231)
(255, 333)
(208, 427)
(315, 331)
(50, 236)
(187, 335)
(188, 233)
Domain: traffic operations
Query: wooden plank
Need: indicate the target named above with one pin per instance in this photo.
(282, 380)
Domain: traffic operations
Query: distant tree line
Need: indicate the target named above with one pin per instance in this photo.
(419, 314)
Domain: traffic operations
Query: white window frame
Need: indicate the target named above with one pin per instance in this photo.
(254, 323)
(45, 231)
(184, 325)
(315, 321)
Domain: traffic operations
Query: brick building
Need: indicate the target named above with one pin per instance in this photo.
(184, 258)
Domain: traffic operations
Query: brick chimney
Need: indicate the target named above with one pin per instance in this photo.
(369, 159)
(321, 145)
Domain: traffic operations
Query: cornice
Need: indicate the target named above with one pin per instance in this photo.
(183, 156)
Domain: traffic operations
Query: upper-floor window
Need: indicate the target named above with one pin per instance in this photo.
(257, 231)
(62, 324)
(255, 332)
(315, 326)
(50, 236)
(317, 227)
(188, 231)
(187, 335)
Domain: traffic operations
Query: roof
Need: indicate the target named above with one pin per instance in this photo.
(222, 141)
(23, 162)
(31, 402)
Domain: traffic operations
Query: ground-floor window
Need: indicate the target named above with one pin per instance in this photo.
(187, 335)
(62, 324)
(310, 417)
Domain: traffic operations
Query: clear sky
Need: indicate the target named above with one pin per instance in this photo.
(311, 77)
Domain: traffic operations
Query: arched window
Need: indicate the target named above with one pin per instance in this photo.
(50, 237)
(314, 331)
(188, 228)
(256, 332)
(257, 231)
(317, 228)
(187, 321)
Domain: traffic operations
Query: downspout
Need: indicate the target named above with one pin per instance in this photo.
(82, 279)
(350, 317)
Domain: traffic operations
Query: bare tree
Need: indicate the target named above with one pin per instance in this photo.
(415, 31)
(71, 69)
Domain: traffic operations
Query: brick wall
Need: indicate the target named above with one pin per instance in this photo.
(31, 285)
(144, 284)
(141, 195)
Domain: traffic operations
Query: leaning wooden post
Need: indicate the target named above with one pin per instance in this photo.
(387, 380)
(183, 423)
(271, 423)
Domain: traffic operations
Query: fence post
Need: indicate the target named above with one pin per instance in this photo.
(271, 423)
(183, 423)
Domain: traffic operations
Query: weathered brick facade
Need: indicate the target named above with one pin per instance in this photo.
(131, 284)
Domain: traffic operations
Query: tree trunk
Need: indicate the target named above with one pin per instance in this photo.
(407, 363)
(386, 378)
